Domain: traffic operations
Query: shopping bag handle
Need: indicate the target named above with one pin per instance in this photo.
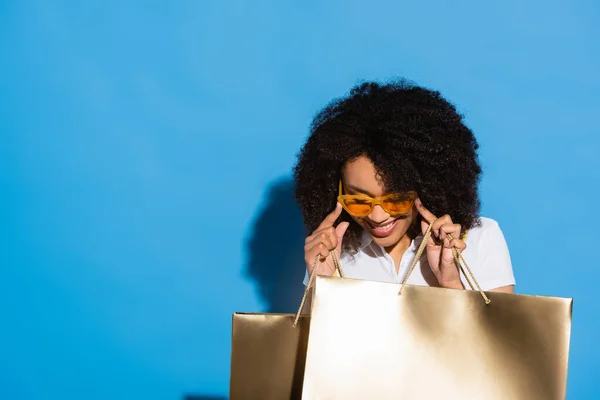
(458, 259)
(313, 275)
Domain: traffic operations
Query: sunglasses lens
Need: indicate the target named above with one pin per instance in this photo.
(358, 207)
(398, 206)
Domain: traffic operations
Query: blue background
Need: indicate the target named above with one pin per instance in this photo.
(145, 160)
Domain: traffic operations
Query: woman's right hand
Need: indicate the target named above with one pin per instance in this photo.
(322, 241)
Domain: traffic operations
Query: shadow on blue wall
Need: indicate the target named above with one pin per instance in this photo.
(276, 249)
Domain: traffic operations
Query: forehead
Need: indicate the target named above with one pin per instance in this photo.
(361, 173)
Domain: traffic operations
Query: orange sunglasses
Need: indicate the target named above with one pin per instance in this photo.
(360, 205)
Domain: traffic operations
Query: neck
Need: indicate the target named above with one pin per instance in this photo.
(397, 250)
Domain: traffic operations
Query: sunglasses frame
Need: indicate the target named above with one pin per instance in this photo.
(412, 196)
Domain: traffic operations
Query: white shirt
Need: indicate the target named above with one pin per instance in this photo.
(486, 254)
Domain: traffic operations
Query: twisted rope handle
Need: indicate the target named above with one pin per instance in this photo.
(458, 259)
(462, 264)
(311, 280)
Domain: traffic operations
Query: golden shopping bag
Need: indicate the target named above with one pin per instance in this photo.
(373, 340)
(268, 353)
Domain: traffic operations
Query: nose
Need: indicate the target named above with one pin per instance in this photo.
(378, 215)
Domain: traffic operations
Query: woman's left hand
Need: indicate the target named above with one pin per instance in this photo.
(439, 252)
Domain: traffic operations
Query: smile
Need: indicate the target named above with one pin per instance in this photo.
(382, 230)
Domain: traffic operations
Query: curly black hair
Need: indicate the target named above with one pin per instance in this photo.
(416, 140)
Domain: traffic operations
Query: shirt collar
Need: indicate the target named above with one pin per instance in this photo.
(365, 240)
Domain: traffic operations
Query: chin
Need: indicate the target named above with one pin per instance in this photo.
(387, 241)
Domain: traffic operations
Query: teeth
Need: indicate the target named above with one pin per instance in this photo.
(385, 227)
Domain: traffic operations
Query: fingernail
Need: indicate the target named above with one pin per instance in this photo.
(418, 203)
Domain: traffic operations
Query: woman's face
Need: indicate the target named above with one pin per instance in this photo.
(360, 177)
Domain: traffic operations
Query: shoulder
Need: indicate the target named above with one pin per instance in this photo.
(486, 237)
(487, 227)
(485, 223)
(486, 241)
(488, 255)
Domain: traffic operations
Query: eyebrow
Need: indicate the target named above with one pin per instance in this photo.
(357, 189)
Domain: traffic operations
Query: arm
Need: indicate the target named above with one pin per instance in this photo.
(504, 289)
(494, 258)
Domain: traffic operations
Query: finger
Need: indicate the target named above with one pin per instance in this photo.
(329, 230)
(459, 244)
(340, 231)
(432, 239)
(435, 228)
(324, 267)
(434, 254)
(319, 249)
(447, 262)
(330, 219)
(425, 213)
(447, 243)
(329, 240)
(447, 255)
(449, 229)
(424, 225)
(433, 244)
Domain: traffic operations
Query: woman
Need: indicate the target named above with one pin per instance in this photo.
(378, 167)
